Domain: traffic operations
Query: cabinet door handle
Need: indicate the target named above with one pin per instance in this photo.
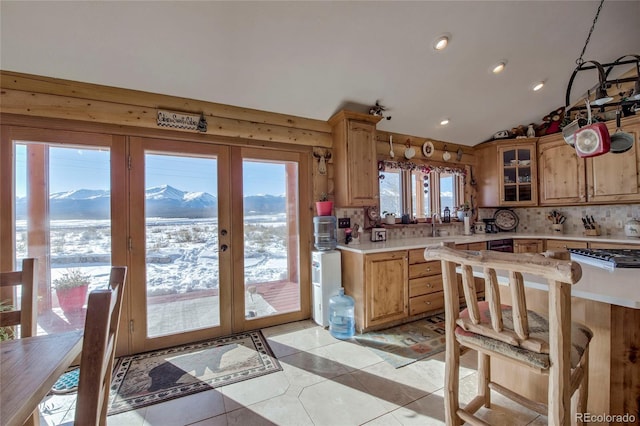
(429, 269)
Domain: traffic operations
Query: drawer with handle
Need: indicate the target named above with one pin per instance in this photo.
(425, 285)
(425, 269)
(426, 303)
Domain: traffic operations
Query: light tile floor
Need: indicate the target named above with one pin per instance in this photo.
(324, 381)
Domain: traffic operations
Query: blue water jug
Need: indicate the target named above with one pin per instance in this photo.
(342, 323)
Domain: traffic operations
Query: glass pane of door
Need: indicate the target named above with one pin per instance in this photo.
(271, 235)
(63, 218)
(181, 221)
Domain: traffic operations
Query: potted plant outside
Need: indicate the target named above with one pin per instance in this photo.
(324, 207)
(71, 290)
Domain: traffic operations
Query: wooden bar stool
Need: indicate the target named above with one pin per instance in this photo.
(552, 346)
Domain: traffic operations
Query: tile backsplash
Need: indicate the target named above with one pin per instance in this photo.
(611, 218)
(533, 220)
(410, 231)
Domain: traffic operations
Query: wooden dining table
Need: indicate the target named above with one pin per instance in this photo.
(29, 367)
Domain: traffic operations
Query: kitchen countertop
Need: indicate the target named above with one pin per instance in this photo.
(620, 287)
(368, 247)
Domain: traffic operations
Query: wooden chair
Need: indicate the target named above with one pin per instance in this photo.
(26, 317)
(98, 350)
(554, 347)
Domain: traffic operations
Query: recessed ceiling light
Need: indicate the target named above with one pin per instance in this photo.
(537, 86)
(499, 67)
(442, 42)
(444, 122)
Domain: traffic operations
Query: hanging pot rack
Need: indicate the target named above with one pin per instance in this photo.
(603, 82)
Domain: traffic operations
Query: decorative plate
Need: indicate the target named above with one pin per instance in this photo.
(506, 220)
(373, 214)
(427, 149)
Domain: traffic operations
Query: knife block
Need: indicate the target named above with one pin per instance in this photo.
(592, 232)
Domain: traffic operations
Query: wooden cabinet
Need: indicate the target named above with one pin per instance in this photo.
(355, 162)
(565, 244)
(561, 171)
(386, 287)
(566, 178)
(507, 173)
(528, 246)
(378, 284)
(616, 177)
(425, 283)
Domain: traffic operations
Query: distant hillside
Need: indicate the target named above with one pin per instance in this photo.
(161, 201)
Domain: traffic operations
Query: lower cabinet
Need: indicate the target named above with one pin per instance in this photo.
(386, 289)
(425, 283)
(528, 246)
(378, 284)
(565, 244)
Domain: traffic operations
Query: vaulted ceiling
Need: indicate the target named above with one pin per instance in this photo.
(311, 59)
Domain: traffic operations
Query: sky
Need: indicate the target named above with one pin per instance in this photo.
(72, 168)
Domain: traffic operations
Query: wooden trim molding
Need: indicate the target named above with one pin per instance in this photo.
(39, 96)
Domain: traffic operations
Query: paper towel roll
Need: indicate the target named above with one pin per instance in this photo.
(467, 225)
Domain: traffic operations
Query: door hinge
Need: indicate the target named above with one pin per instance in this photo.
(130, 244)
(131, 327)
(129, 162)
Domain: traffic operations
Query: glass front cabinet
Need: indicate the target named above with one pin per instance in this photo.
(518, 180)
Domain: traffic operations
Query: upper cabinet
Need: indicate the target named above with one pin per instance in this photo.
(355, 162)
(507, 173)
(562, 172)
(566, 178)
(517, 162)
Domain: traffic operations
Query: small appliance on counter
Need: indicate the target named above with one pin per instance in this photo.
(490, 226)
(378, 234)
(632, 228)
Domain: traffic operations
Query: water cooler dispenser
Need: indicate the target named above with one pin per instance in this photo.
(326, 280)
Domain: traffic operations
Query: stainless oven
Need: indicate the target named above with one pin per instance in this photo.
(505, 245)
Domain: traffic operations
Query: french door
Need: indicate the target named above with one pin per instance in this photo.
(215, 240)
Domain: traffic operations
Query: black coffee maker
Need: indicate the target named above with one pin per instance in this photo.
(490, 226)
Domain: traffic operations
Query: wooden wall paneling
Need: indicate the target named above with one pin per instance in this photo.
(92, 110)
(55, 86)
(416, 142)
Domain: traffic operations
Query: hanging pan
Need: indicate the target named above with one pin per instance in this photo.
(593, 139)
(620, 141)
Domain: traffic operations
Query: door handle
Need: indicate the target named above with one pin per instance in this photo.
(224, 247)
(223, 232)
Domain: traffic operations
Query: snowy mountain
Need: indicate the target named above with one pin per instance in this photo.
(161, 201)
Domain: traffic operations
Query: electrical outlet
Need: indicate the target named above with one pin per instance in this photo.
(344, 222)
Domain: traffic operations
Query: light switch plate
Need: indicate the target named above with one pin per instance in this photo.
(344, 222)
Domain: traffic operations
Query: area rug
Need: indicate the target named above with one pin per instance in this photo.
(152, 377)
(407, 343)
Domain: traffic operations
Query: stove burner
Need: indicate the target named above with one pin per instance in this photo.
(608, 258)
